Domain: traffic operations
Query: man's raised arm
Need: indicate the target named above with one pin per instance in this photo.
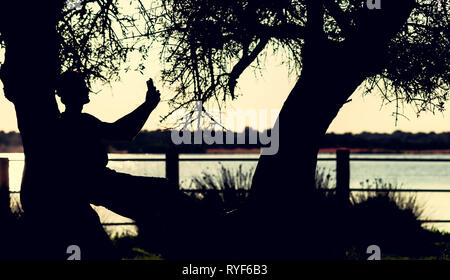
(130, 125)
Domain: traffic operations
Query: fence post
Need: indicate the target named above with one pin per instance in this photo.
(172, 167)
(4, 186)
(343, 176)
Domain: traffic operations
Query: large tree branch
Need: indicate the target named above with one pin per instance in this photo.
(314, 23)
(342, 19)
(282, 31)
(380, 26)
(373, 32)
(244, 62)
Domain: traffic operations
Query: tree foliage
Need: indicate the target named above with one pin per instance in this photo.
(417, 68)
(98, 36)
(207, 44)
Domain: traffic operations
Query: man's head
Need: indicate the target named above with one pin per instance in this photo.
(72, 89)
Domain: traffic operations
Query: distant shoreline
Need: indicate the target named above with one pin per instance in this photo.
(384, 151)
(157, 142)
(257, 151)
(333, 150)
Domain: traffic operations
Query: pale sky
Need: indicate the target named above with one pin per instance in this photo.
(265, 92)
(261, 92)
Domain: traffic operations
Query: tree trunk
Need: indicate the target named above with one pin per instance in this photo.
(303, 121)
(29, 77)
(284, 202)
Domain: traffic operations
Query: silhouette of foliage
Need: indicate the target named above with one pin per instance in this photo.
(209, 43)
(386, 218)
(225, 191)
(97, 37)
(418, 57)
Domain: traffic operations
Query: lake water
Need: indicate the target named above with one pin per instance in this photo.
(417, 175)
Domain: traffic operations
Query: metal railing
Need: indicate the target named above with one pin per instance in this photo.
(342, 160)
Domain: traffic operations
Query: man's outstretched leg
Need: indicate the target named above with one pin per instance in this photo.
(160, 209)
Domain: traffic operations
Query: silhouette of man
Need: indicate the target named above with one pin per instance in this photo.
(84, 157)
(83, 138)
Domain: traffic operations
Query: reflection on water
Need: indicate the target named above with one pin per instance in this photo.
(420, 175)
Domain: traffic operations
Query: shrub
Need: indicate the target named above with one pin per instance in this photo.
(225, 191)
